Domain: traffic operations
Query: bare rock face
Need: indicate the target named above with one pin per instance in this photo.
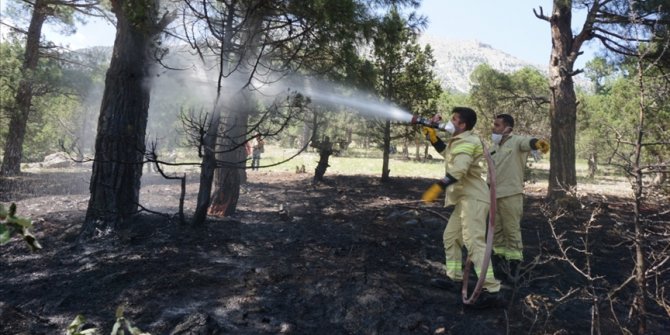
(457, 59)
(57, 160)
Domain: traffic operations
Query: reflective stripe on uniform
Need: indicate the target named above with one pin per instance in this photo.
(454, 266)
(508, 254)
(467, 148)
(514, 255)
(500, 251)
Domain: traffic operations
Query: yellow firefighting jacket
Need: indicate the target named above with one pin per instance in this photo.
(464, 160)
(510, 161)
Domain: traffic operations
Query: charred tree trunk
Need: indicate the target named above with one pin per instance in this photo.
(563, 109)
(325, 149)
(11, 161)
(120, 142)
(388, 83)
(232, 161)
(640, 239)
(417, 149)
(227, 187)
(225, 203)
(321, 166)
(387, 147)
(232, 157)
(593, 164)
(563, 112)
(208, 167)
(405, 149)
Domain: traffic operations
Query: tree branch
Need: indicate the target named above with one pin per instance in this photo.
(541, 15)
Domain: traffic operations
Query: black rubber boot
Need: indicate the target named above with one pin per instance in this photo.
(498, 264)
(488, 300)
(513, 276)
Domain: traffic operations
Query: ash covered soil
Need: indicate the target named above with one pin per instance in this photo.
(350, 256)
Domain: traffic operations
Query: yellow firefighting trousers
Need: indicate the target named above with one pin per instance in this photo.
(467, 227)
(507, 241)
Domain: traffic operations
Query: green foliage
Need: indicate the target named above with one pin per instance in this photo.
(43, 77)
(450, 99)
(62, 14)
(333, 52)
(64, 101)
(608, 119)
(75, 327)
(11, 225)
(47, 127)
(524, 94)
(488, 89)
(122, 325)
(599, 71)
(11, 55)
(391, 39)
(418, 86)
(404, 71)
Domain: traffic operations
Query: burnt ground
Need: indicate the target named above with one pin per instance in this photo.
(352, 256)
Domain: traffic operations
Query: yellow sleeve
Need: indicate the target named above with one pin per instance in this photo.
(461, 158)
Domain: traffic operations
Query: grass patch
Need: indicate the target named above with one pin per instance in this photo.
(360, 165)
(369, 162)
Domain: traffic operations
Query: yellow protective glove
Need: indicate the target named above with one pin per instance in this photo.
(432, 193)
(543, 146)
(430, 134)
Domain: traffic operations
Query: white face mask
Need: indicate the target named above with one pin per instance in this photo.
(450, 128)
(496, 138)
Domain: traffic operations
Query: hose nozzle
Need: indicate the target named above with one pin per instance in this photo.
(432, 123)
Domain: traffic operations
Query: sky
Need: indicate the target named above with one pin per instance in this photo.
(506, 25)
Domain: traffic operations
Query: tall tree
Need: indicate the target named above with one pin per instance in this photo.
(292, 35)
(605, 19)
(637, 30)
(41, 11)
(563, 101)
(393, 39)
(420, 91)
(11, 51)
(221, 21)
(60, 85)
(231, 147)
(120, 141)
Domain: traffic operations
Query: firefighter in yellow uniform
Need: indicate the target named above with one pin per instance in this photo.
(467, 190)
(509, 154)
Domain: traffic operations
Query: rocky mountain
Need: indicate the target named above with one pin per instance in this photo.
(456, 59)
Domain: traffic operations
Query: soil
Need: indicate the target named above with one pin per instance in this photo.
(347, 256)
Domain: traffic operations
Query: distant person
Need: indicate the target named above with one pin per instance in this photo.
(509, 154)
(247, 148)
(467, 190)
(257, 148)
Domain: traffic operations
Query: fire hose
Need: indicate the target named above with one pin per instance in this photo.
(491, 226)
(489, 237)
